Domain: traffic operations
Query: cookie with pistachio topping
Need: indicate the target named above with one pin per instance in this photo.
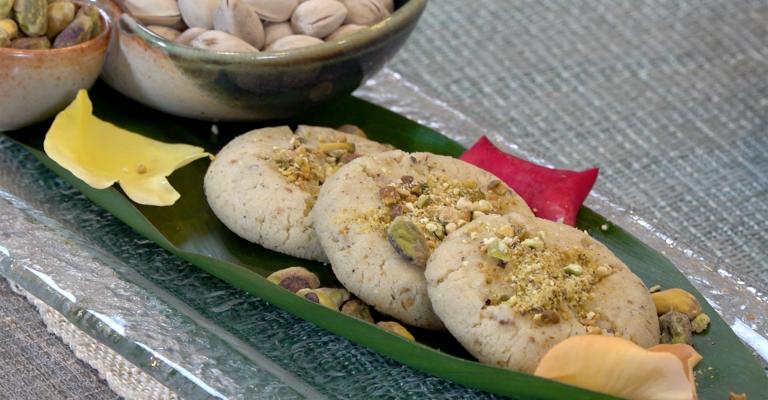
(511, 287)
(263, 184)
(380, 217)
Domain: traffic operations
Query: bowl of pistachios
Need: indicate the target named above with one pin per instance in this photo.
(48, 51)
(240, 60)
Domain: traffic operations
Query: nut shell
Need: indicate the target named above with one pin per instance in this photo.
(318, 18)
(189, 35)
(274, 10)
(164, 32)
(293, 42)
(367, 12)
(344, 31)
(276, 30)
(221, 41)
(237, 18)
(198, 13)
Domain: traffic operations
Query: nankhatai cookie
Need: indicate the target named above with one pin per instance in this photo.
(510, 287)
(381, 216)
(263, 184)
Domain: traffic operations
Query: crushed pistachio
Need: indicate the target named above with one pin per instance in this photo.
(573, 269)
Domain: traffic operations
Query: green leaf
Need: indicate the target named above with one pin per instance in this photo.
(190, 230)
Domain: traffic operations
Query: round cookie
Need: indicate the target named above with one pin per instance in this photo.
(429, 194)
(263, 183)
(511, 287)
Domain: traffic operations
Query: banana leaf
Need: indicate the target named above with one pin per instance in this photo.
(190, 230)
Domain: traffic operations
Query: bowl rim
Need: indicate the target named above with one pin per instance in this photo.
(402, 16)
(101, 40)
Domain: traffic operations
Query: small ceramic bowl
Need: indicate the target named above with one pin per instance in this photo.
(222, 86)
(36, 84)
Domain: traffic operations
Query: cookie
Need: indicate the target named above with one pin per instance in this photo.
(379, 218)
(263, 184)
(510, 287)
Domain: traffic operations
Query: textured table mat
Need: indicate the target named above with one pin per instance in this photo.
(668, 98)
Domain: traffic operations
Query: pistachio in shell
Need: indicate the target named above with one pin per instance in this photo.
(9, 26)
(5, 39)
(189, 35)
(77, 32)
(237, 18)
(276, 30)
(344, 31)
(60, 15)
(396, 328)
(274, 10)
(221, 41)
(31, 16)
(5, 8)
(198, 13)
(294, 279)
(329, 297)
(92, 13)
(164, 32)
(318, 18)
(155, 12)
(356, 308)
(293, 42)
(29, 43)
(406, 238)
(367, 12)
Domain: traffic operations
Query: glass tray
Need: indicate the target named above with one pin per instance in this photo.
(203, 338)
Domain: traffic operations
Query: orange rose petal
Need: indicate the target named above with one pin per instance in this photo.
(621, 368)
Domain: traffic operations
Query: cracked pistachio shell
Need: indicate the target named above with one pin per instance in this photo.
(5, 8)
(221, 41)
(237, 18)
(189, 35)
(293, 42)
(164, 32)
(5, 39)
(31, 16)
(60, 15)
(276, 30)
(367, 12)
(155, 12)
(198, 13)
(274, 10)
(28, 43)
(345, 30)
(9, 26)
(318, 18)
(77, 32)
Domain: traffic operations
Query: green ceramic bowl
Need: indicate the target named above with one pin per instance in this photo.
(221, 86)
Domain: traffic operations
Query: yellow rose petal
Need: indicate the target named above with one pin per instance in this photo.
(621, 368)
(101, 154)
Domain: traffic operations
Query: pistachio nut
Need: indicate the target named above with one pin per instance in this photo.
(675, 328)
(31, 43)
(9, 26)
(295, 279)
(60, 15)
(221, 41)
(396, 328)
(357, 309)
(274, 10)
(329, 297)
(155, 12)
(31, 16)
(276, 30)
(237, 18)
(5, 8)
(189, 35)
(344, 31)
(77, 32)
(353, 130)
(546, 317)
(366, 12)
(92, 13)
(318, 18)
(676, 300)
(164, 32)
(293, 42)
(5, 39)
(406, 238)
(700, 323)
(198, 13)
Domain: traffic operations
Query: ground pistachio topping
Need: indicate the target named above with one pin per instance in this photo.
(435, 206)
(307, 165)
(538, 280)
